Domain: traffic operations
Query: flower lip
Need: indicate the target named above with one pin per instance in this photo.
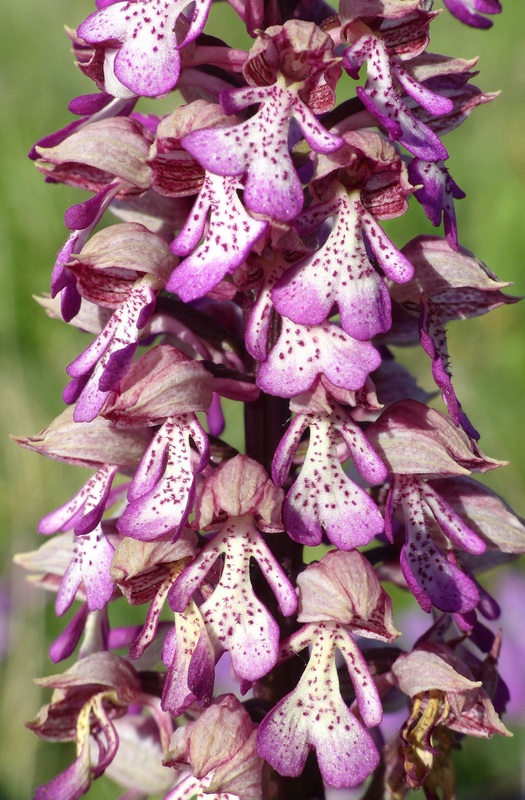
(141, 43)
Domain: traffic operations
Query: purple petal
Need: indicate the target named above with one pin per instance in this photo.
(229, 238)
(148, 60)
(366, 693)
(111, 353)
(434, 342)
(437, 195)
(89, 104)
(323, 497)
(259, 149)
(381, 98)
(365, 457)
(260, 320)
(80, 219)
(303, 352)
(91, 564)
(282, 460)
(317, 137)
(117, 365)
(152, 465)
(65, 643)
(85, 215)
(70, 584)
(188, 641)
(432, 579)
(149, 630)
(162, 510)
(314, 715)
(215, 416)
(162, 493)
(339, 271)
(201, 670)
(235, 618)
(87, 360)
(248, 630)
(392, 261)
(98, 492)
(470, 11)
(72, 783)
(434, 103)
(451, 523)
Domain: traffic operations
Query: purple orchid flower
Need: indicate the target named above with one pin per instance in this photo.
(307, 292)
(322, 496)
(230, 236)
(99, 369)
(314, 714)
(239, 541)
(141, 43)
(258, 148)
(250, 261)
(161, 494)
(384, 101)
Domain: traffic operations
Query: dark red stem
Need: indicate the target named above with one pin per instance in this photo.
(265, 422)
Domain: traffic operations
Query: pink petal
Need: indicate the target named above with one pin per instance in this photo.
(303, 352)
(148, 61)
(229, 238)
(339, 271)
(315, 716)
(324, 498)
(161, 494)
(235, 618)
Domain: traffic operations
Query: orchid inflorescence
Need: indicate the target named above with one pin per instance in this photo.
(250, 264)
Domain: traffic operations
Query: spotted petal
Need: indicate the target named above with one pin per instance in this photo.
(90, 565)
(235, 618)
(324, 498)
(303, 352)
(190, 659)
(228, 240)
(147, 60)
(162, 492)
(258, 148)
(339, 271)
(84, 511)
(432, 578)
(315, 716)
(101, 366)
(383, 100)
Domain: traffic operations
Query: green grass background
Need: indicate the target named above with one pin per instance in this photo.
(37, 80)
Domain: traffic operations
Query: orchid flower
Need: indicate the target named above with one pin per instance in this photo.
(251, 267)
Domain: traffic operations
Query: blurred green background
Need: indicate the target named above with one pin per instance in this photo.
(37, 80)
